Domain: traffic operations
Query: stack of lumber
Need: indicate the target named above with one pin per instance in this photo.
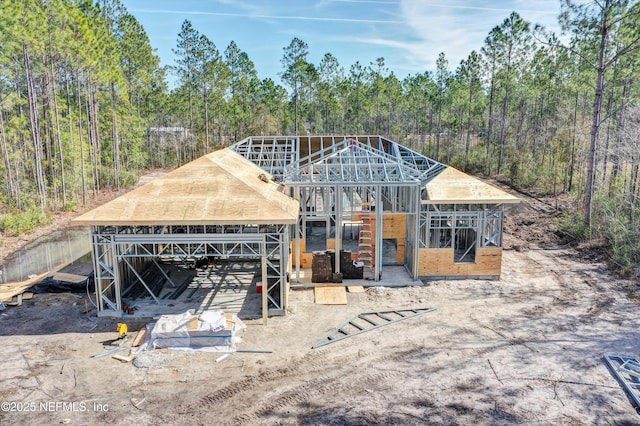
(14, 292)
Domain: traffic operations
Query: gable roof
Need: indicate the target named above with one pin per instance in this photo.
(452, 186)
(220, 188)
(351, 161)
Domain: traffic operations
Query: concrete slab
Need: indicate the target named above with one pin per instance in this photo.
(229, 286)
(392, 276)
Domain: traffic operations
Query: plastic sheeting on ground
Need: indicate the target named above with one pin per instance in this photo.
(211, 330)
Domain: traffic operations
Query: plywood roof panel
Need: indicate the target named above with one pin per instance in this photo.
(218, 188)
(452, 186)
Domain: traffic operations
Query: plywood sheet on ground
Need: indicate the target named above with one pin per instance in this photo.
(329, 294)
(355, 289)
(68, 278)
(452, 186)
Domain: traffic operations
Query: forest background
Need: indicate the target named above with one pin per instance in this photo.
(85, 106)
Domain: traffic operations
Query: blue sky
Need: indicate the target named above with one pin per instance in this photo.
(408, 34)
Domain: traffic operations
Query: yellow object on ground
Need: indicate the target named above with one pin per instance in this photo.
(122, 329)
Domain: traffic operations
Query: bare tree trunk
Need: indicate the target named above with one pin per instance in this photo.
(572, 161)
(206, 119)
(116, 137)
(490, 125)
(56, 113)
(617, 156)
(94, 144)
(82, 159)
(595, 126)
(49, 139)
(35, 129)
(7, 164)
(503, 121)
(468, 141)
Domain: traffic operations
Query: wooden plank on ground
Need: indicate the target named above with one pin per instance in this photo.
(123, 358)
(69, 278)
(355, 289)
(15, 300)
(9, 290)
(330, 294)
(140, 337)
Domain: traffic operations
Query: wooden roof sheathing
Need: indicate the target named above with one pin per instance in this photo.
(452, 186)
(220, 188)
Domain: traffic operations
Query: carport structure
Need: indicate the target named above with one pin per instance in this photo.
(219, 206)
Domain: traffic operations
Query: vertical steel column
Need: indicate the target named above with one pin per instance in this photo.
(265, 283)
(298, 233)
(97, 275)
(379, 233)
(116, 274)
(338, 216)
(285, 240)
(417, 205)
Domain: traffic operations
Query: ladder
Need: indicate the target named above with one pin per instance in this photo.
(368, 321)
(366, 248)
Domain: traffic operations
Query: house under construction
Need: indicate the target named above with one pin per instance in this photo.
(277, 200)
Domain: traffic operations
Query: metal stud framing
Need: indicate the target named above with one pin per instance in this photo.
(339, 173)
(117, 248)
(331, 176)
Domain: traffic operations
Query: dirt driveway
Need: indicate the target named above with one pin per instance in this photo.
(527, 349)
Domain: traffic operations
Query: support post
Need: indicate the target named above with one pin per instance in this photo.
(379, 233)
(417, 205)
(298, 232)
(338, 216)
(265, 284)
(116, 274)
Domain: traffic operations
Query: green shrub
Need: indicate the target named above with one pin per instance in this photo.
(572, 223)
(19, 223)
(70, 205)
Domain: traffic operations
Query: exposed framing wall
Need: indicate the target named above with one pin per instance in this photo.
(118, 249)
(392, 178)
(438, 256)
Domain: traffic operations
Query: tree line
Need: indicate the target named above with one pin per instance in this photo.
(85, 106)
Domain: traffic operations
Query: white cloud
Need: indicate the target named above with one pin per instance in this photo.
(458, 27)
(266, 16)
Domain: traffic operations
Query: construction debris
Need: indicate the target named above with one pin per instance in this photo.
(140, 338)
(626, 369)
(222, 358)
(107, 353)
(151, 359)
(370, 321)
(254, 351)
(124, 359)
(213, 330)
(10, 291)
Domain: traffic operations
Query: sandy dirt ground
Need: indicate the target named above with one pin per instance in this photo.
(527, 349)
